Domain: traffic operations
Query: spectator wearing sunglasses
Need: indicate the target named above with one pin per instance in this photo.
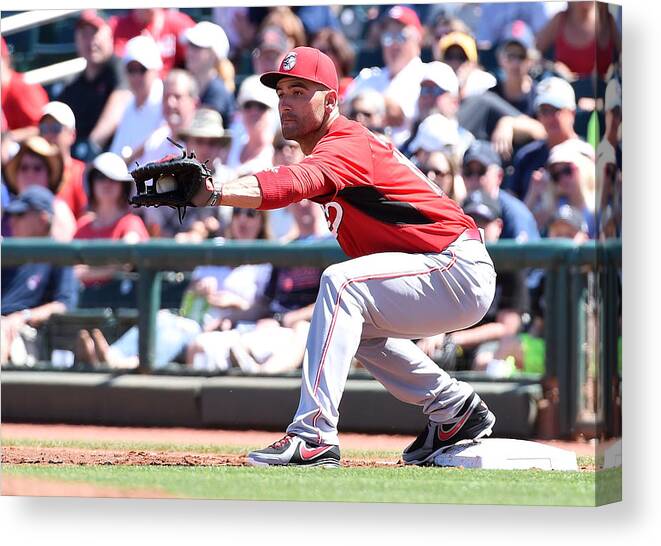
(440, 168)
(143, 115)
(516, 56)
(368, 108)
(399, 80)
(40, 163)
(569, 179)
(555, 107)
(58, 126)
(252, 147)
(482, 169)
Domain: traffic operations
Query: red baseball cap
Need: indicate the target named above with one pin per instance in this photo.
(404, 15)
(91, 17)
(306, 63)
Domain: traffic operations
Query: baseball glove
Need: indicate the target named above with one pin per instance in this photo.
(173, 182)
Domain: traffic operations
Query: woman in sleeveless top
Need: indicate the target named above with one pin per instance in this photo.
(575, 34)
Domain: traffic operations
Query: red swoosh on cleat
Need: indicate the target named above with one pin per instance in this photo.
(307, 453)
(443, 436)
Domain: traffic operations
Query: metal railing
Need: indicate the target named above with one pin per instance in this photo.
(565, 264)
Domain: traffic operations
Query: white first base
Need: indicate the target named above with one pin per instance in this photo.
(505, 454)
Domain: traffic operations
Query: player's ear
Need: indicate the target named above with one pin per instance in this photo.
(330, 101)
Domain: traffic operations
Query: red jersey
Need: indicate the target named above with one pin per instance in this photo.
(374, 198)
(22, 102)
(126, 224)
(166, 29)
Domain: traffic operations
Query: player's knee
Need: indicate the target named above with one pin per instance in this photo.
(334, 275)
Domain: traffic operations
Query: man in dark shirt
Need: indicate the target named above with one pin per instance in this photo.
(31, 292)
(100, 93)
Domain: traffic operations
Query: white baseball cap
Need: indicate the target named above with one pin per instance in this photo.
(112, 166)
(556, 92)
(613, 97)
(209, 35)
(572, 150)
(61, 113)
(442, 75)
(144, 50)
(252, 89)
(434, 134)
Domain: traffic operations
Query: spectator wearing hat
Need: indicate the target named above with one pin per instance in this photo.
(569, 178)
(576, 35)
(143, 115)
(482, 169)
(31, 292)
(504, 317)
(609, 175)
(333, 43)
(439, 94)
(555, 105)
(516, 55)
(180, 100)
(437, 134)
(58, 126)
(109, 187)
(99, 95)
(206, 57)
(399, 80)
(206, 136)
(39, 163)
(165, 26)
(21, 102)
(252, 145)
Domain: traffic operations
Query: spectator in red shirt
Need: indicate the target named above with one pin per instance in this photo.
(58, 126)
(110, 216)
(166, 26)
(21, 102)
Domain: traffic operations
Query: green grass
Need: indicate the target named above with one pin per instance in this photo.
(401, 485)
(397, 484)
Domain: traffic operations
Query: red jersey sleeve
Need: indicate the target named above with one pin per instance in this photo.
(340, 159)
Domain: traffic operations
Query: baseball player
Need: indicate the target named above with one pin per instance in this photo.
(419, 267)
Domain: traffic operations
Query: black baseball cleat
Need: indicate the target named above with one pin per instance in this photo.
(473, 421)
(291, 450)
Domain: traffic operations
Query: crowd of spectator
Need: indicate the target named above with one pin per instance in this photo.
(513, 109)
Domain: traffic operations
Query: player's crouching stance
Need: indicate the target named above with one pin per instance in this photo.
(419, 268)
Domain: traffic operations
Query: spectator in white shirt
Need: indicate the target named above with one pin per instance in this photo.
(143, 115)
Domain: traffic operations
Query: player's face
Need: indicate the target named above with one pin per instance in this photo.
(301, 107)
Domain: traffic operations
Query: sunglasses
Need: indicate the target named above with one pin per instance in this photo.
(50, 128)
(547, 110)
(364, 113)
(250, 213)
(511, 56)
(254, 104)
(136, 69)
(436, 173)
(390, 38)
(557, 174)
(468, 173)
(431, 90)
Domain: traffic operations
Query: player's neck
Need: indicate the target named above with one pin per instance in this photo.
(309, 141)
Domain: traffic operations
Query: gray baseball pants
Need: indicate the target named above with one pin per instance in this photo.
(371, 308)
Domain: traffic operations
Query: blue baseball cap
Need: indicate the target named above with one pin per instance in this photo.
(482, 151)
(33, 198)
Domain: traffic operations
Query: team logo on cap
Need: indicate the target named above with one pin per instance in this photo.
(289, 62)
